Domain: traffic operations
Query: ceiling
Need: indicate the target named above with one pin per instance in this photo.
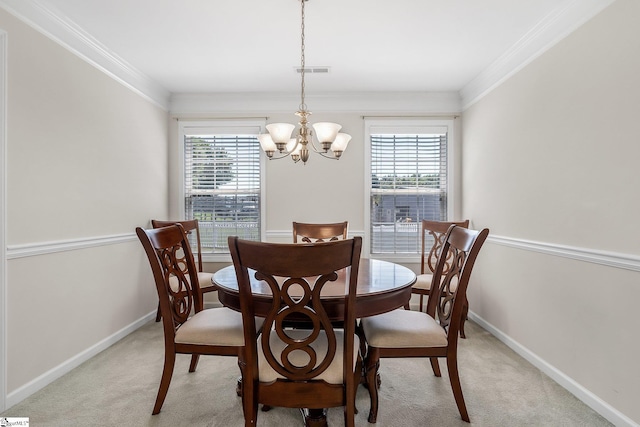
(213, 46)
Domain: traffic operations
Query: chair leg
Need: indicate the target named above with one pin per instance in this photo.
(465, 312)
(421, 301)
(194, 362)
(248, 394)
(167, 372)
(362, 339)
(435, 366)
(350, 410)
(357, 381)
(452, 366)
(372, 366)
(249, 405)
(158, 315)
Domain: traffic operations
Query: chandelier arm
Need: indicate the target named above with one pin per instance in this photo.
(282, 156)
(323, 154)
(313, 147)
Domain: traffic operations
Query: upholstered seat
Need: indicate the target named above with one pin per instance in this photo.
(404, 329)
(203, 278)
(213, 326)
(423, 281)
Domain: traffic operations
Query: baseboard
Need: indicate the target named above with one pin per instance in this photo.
(53, 374)
(594, 402)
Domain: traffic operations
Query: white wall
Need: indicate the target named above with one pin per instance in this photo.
(87, 163)
(551, 166)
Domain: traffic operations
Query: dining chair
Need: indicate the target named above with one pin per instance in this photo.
(432, 239)
(188, 328)
(192, 228)
(434, 333)
(311, 369)
(310, 233)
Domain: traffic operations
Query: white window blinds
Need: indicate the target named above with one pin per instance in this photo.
(408, 184)
(222, 187)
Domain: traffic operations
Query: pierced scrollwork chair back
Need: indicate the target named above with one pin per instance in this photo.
(452, 272)
(192, 230)
(175, 274)
(438, 232)
(312, 233)
(432, 238)
(315, 367)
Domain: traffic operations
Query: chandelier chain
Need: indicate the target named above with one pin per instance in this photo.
(278, 143)
(303, 106)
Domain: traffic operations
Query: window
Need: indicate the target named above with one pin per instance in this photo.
(408, 181)
(222, 181)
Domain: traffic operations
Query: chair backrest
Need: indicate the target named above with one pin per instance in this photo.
(446, 300)
(174, 270)
(191, 227)
(296, 274)
(311, 233)
(434, 232)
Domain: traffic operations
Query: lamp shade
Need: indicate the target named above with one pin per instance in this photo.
(280, 132)
(292, 144)
(326, 132)
(341, 142)
(266, 142)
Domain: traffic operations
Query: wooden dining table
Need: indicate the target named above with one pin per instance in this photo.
(382, 286)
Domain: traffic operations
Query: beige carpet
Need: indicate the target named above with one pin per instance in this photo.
(118, 388)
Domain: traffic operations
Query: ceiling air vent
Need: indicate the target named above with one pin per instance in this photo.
(315, 70)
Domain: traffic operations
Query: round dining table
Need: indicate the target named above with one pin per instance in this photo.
(382, 286)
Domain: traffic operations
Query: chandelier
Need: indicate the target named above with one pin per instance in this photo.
(279, 138)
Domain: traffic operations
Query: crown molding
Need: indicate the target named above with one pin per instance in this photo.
(562, 21)
(63, 31)
(568, 16)
(358, 102)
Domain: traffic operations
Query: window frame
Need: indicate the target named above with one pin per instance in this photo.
(404, 126)
(213, 127)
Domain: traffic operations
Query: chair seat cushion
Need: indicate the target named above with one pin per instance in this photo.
(332, 375)
(213, 326)
(423, 281)
(204, 280)
(403, 329)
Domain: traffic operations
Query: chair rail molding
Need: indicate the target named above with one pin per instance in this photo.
(610, 259)
(43, 248)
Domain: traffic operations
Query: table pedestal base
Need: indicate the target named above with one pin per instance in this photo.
(314, 417)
